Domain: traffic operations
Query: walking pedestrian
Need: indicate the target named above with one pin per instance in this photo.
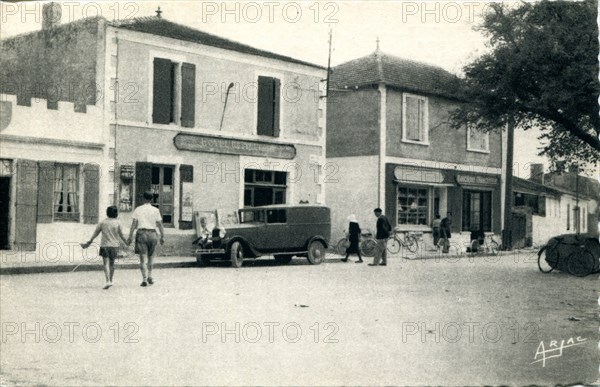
(384, 229)
(354, 239)
(445, 234)
(435, 226)
(112, 237)
(146, 219)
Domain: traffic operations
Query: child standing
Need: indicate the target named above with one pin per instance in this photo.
(112, 236)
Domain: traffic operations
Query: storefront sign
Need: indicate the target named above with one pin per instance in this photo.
(477, 179)
(127, 172)
(212, 144)
(418, 175)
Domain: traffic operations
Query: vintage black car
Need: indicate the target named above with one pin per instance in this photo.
(283, 231)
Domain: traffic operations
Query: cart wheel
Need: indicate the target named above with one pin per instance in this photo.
(368, 247)
(393, 246)
(580, 264)
(543, 264)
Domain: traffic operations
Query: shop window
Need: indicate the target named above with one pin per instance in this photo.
(413, 205)
(264, 187)
(268, 106)
(173, 92)
(478, 141)
(477, 211)
(66, 192)
(415, 120)
(536, 203)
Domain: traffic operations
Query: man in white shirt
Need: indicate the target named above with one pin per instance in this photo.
(146, 218)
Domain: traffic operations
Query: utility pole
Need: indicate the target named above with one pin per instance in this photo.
(328, 64)
(577, 211)
(508, 191)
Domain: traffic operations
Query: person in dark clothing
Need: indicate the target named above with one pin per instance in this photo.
(445, 227)
(354, 239)
(384, 228)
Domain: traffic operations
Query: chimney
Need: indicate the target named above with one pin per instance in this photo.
(536, 173)
(51, 15)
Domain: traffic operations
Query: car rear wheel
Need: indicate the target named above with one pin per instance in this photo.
(316, 252)
(283, 259)
(236, 254)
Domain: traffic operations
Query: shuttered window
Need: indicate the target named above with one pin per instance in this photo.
(91, 193)
(415, 121)
(188, 94)
(163, 91)
(165, 103)
(25, 205)
(66, 192)
(268, 106)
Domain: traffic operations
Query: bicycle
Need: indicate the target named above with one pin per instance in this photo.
(489, 246)
(410, 241)
(579, 262)
(367, 245)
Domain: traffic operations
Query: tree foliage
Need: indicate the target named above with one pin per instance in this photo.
(541, 70)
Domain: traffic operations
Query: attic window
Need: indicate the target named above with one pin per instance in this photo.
(415, 119)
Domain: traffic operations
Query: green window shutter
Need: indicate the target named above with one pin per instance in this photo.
(91, 193)
(162, 104)
(186, 175)
(26, 205)
(265, 106)
(276, 96)
(45, 194)
(143, 181)
(188, 94)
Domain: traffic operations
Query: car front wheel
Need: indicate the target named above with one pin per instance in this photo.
(236, 254)
(316, 252)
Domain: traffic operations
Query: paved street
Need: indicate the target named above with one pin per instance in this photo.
(433, 321)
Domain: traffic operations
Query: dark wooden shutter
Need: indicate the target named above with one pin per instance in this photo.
(276, 96)
(26, 205)
(186, 175)
(143, 181)
(162, 105)
(542, 205)
(265, 106)
(455, 206)
(91, 193)
(188, 94)
(45, 194)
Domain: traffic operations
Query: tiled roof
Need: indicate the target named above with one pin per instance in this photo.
(158, 26)
(532, 187)
(393, 71)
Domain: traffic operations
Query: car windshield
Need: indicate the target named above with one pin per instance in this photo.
(254, 216)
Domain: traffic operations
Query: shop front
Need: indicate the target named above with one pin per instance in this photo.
(415, 195)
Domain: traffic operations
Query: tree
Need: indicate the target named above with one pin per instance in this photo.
(542, 71)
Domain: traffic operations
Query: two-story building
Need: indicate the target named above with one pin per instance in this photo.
(101, 111)
(390, 143)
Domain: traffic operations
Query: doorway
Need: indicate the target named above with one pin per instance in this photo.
(4, 212)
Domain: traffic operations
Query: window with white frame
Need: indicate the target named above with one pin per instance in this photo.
(477, 140)
(415, 119)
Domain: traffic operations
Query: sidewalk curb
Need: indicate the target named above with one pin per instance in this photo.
(90, 267)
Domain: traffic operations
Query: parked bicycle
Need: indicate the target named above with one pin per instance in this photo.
(489, 245)
(367, 245)
(402, 239)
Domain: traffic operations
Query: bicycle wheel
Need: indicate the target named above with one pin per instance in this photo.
(368, 247)
(341, 246)
(493, 248)
(543, 264)
(580, 263)
(411, 243)
(393, 246)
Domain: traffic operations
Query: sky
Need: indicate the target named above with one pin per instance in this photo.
(439, 33)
